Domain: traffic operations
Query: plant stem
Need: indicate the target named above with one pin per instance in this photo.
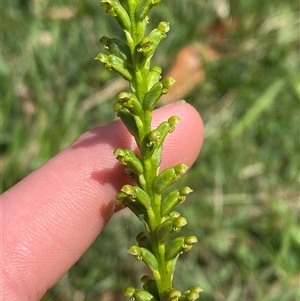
(132, 61)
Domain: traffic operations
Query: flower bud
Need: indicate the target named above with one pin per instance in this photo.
(148, 44)
(145, 255)
(163, 26)
(173, 198)
(120, 66)
(129, 158)
(115, 9)
(129, 101)
(145, 47)
(129, 291)
(184, 191)
(179, 245)
(197, 289)
(136, 252)
(179, 222)
(167, 83)
(141, 295)
(137, 194)
(165, 178)
(113, 62)
(130, 191)
(153, 138)
(180, 170)
(173, 295)
(190, 240)
(125, 200)
(172, 224)
(174, 214)
(191, 296)
(121, 155)
(173, 120)
(103, 58)
(159, 32)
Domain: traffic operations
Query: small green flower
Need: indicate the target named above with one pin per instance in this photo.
(174, 198)
(129, 158)
(165, 178)
(145, 255)
(173, 295)
(179, 245)
(115, 9)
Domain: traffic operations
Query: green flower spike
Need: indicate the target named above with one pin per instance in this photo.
(158, 247)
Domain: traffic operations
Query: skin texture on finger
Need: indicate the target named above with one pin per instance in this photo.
(53, 215)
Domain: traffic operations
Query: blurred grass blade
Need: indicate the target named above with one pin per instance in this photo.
(262, 104)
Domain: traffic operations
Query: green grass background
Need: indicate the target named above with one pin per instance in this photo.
(245, 208)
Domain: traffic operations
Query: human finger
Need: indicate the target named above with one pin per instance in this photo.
(52, 216)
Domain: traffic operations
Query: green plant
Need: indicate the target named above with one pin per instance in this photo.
(148, 199)
(248, 250)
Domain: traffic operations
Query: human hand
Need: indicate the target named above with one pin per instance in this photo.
(53, 215)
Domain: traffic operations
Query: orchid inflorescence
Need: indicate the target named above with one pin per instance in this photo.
(148, 200)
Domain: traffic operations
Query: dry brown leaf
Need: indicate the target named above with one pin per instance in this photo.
(61, 13)
(188, 70)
